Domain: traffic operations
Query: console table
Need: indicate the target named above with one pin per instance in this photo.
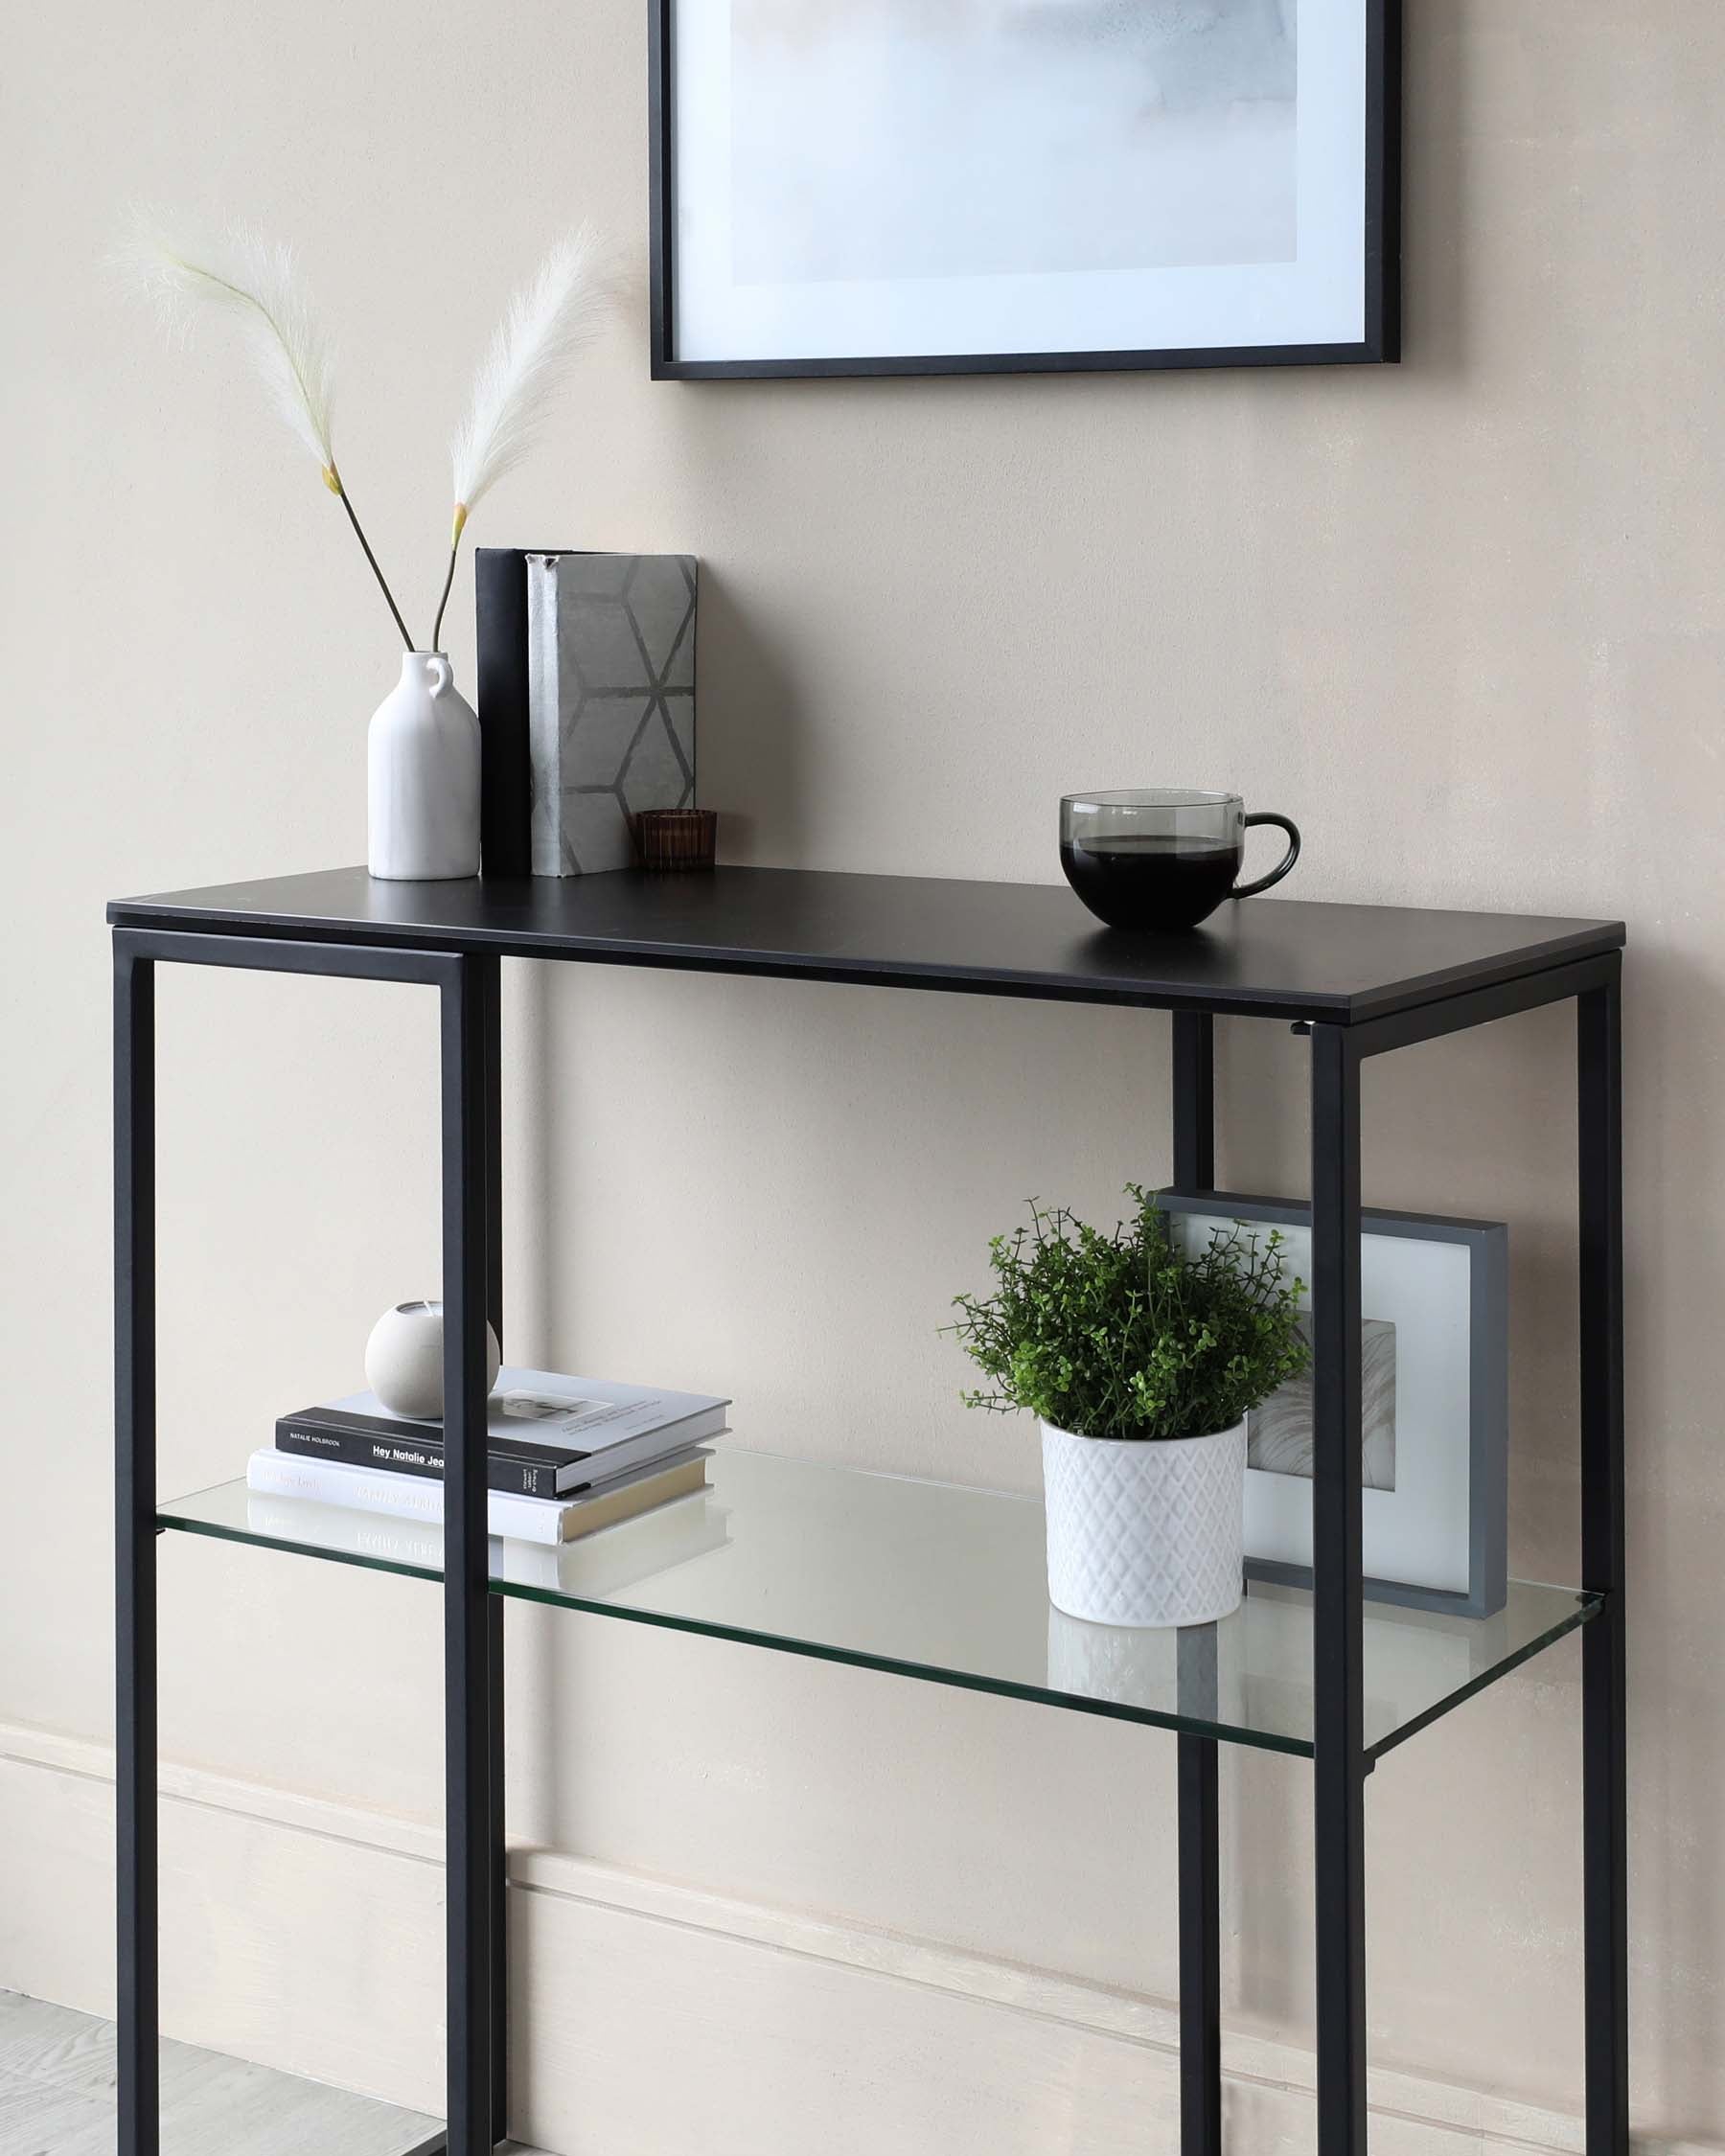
(922, 1579)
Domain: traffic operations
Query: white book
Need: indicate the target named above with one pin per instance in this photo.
(415, 1496)
(598, 1566)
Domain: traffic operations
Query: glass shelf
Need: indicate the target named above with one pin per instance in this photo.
(940, 1582)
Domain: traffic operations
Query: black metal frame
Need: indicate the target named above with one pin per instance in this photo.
(1197, 1757)
(468, 984)
(1380, 345)
(468, 990)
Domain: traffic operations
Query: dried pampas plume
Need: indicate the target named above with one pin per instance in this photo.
(550, 322)
(244, 276)
(256, 283)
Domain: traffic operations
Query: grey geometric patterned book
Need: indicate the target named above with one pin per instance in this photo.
(611, 698)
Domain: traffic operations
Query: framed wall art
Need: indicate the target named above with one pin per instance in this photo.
(873, 187)
(1435, 1374)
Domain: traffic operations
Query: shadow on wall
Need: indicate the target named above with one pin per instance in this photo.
(752, 758)
(1437, 303)
(750, 765)
(1675, 1587)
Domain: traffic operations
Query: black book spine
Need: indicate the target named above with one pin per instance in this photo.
(315, 1440)
(500, 618)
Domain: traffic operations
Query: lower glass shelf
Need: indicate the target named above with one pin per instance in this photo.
(934, 1581)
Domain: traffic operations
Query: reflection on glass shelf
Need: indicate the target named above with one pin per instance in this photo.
(940, 1582)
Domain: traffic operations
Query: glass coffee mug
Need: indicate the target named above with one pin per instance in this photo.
(1163, 856)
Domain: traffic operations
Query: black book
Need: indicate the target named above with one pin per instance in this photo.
(330, 1433)
(500, 611)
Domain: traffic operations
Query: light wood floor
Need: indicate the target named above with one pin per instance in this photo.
(56, 2098)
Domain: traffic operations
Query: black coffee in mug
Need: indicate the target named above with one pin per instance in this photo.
(1163, 858)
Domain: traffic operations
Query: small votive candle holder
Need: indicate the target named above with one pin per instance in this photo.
(670, 839)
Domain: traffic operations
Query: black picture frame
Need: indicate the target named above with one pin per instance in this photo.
(1380, 346)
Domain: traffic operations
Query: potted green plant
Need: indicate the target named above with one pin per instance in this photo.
(1140, 1361)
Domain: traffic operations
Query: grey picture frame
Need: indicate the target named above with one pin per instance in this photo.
(1486, 1438)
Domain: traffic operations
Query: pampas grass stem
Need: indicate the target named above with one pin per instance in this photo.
(347, 503)
(442, 598)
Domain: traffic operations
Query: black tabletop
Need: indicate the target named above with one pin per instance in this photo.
(1269, 956)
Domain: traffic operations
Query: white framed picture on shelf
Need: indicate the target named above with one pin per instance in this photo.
(1435, 1406)
(986, 186)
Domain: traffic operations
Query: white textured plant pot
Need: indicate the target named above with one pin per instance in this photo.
(1145, 1531)
(404, 1359)
(421, 757)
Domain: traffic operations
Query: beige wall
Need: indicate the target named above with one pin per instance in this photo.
(1465, 619)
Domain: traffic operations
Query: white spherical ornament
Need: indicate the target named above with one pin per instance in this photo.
(404, 1359)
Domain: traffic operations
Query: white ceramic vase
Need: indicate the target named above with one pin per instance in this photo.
(404, 1359)
(423, 775)
(1145, 1531)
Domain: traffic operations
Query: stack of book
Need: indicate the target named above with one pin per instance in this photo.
(564, 1456)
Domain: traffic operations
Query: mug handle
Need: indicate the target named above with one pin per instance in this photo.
(1281, 868)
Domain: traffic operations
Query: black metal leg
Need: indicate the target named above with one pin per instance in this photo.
(135, 1554)
(499, 1881)
(1339, 1765)
(1200, 1905)
(1194, 1102)
(1603, 1747)
(466, 1008)
(1196, 1771)
(488, 972)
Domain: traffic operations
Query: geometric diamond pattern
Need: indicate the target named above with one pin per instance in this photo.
(610, 665)
(1145, 1531)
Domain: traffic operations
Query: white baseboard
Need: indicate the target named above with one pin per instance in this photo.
(653, 2016)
